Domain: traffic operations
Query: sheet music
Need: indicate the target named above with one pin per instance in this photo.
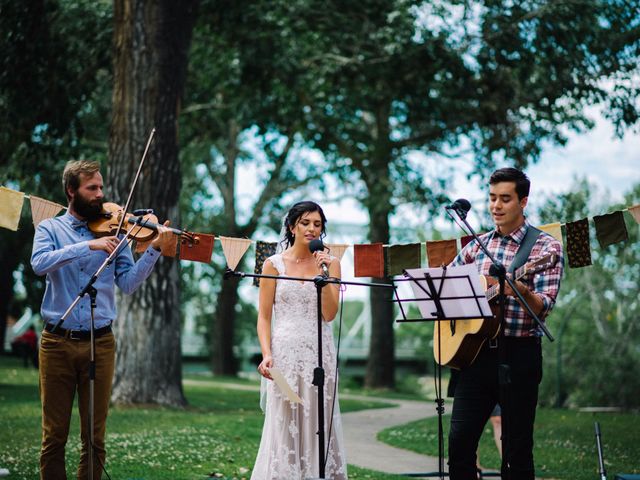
(283, 385)
(468, 285)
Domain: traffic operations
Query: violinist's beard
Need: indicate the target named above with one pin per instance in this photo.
(89, 210)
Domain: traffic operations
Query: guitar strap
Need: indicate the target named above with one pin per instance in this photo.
(524, 250)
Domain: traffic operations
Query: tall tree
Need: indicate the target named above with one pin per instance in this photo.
(151, 40)
(229, 125)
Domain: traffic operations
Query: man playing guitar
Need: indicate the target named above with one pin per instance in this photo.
(478, 388)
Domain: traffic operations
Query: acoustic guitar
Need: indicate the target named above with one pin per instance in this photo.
(461, 340)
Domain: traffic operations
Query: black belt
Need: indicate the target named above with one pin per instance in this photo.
(77, 334)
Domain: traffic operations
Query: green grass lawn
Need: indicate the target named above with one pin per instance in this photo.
(217, 435)
(565, 447)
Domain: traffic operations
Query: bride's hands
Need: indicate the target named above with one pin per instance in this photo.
(265, 365)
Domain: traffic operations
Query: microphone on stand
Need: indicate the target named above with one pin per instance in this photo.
(461, 206)
(142, 211)
(316, 245)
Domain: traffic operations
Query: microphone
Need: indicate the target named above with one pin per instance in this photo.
(461, 206)
(142, 211)
(316, 245)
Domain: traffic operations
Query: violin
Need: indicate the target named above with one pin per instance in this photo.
(108, 221)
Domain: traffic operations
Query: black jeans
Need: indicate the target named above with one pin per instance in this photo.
(478, 391)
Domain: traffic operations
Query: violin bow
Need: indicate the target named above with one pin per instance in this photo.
(135, 179)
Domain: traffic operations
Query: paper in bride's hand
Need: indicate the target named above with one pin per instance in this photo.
(283, 385)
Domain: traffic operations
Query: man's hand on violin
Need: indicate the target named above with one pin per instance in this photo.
(164, 238)
(107, 244)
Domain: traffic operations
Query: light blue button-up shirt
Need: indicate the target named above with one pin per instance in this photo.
(61, 252)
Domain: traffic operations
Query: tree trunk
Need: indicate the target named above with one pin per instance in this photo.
(223, 361)
(151, 46)
(380, 363)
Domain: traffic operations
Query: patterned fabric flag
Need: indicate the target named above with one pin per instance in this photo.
(553, 229)
(610, 229)
(263, 251)
(401, 257)
(441, 252)
(10, 208)
(578, 249)
(368, 260)
(234, 249)
(42, 209)
(635, 212)
(464, 241)
(198, 252)
(337, 249)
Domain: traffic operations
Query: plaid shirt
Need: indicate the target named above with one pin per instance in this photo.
(545, 283)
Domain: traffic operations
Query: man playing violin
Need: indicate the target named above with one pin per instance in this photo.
(69, 254)
(518, 345)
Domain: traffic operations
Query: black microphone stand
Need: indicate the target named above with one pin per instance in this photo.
(498, 270)
(320, 282)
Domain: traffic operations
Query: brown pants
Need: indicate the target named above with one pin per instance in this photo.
(64, 368)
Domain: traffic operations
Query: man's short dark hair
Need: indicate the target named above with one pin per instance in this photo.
(510, 174)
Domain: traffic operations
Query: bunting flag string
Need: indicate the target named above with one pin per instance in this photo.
(370, 260)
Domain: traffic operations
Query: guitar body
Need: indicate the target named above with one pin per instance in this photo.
(460, 349)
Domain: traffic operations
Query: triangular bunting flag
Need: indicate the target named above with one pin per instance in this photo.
(368, 260)
(198, 252)
(553, 229)
(635, 212)
(464, 241)
(337, 249)
(610, 229)
(42, 209)
(401, 257)
(263, 251)
(441, 252)
(10, 208)
(578, 249)
(234, 249)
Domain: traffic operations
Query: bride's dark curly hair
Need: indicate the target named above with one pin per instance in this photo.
(293, 217)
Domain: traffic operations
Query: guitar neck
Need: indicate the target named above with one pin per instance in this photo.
(494, 290)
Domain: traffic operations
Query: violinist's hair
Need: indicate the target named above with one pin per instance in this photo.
(72, 171)
(293, 217)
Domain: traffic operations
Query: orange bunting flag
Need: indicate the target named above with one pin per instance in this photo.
(441, 252)
(10, 208)
(368, 260)
(42, 209)
(578, 248)
(197, 251)
(337, 249)
(464, 241)
(635, 212)
(610, 229)
(234, 249)
(553, 229)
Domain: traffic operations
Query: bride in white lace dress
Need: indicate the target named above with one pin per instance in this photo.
(287, 330)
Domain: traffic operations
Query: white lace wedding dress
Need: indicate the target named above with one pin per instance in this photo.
(289, 445)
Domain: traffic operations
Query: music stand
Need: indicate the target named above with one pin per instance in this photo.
(320, 282)
(446, 294)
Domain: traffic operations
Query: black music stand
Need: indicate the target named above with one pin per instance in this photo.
(447, 294)
(320, 282)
